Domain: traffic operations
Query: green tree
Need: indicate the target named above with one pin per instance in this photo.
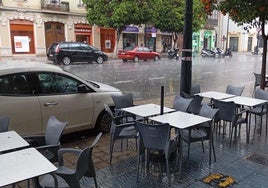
(169, 16)
(118, 14)
(246, 13)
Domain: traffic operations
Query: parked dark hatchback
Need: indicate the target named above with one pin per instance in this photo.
(68, 52)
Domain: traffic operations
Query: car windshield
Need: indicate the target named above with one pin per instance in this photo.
(129, 48)
(94, 48)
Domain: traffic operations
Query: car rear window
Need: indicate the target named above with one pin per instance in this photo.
(129, 48)
(64, 46)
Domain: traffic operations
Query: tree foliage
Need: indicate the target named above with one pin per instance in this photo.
(118, 14)
(246, 13)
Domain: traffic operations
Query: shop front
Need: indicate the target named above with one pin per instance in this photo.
(83, 33)
(130, 36)
(22, 37)
(150, 37)
(107, 39)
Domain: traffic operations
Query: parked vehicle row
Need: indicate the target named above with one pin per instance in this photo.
(68, 52)
(32, 92)
(216, 53)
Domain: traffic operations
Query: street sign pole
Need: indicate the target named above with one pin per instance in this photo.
(186, 61)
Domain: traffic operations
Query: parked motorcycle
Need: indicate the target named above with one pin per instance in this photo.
(228, 52)
(207, 53)
(173, 53)
(219, 53)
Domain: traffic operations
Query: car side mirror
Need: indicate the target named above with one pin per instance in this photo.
(82, 88)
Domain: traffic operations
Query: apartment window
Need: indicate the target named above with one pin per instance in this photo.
(80, 3)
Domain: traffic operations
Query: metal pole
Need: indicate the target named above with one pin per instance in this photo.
(228, 19)
(162, 100)
(186, 60)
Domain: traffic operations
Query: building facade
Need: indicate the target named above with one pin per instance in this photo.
(29, 27)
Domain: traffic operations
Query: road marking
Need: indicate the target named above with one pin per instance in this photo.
(207, 72)
(157, 78)
(122, 82)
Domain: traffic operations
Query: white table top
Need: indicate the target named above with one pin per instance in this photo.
(22, 165)
(246, 101)
(11, 140)
(146, 110)
(180, 119)
(215, 95)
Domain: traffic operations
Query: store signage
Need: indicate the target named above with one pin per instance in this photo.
(82, 30)
(131, 29)
(21, 43)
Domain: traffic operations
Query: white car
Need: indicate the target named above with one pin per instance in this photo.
(31, 92)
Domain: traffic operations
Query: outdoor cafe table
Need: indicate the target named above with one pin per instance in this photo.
(181, 120)
(11, 140)
(215, 95)
(249, 102)
(146, 110)
(23, 164)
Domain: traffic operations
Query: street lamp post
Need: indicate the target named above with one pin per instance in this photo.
(186, 62)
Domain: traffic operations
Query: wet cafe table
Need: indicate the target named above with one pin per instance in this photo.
(215, 95)
(181, 120)
(11, 140)
(23, 164)
(249, 102)
(146, 110)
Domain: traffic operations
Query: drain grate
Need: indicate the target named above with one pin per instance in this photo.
(258, 158)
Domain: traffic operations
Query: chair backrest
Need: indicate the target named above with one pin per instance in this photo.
(227, 110)
(195, 105)
(207, 111)
(261, 94)
(123, 101)
(108, 109)
(195, 89)
(154, 137)
(91, 169)
(4, 123)
(181, 104)
(257, 79)
(234, 90)
(54, 130)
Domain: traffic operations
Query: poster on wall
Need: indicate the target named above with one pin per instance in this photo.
(21, 43)
(108, 44)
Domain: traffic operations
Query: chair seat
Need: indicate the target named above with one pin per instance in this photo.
(258, 110)
(128, 131)
(48, 182)
(195, 133)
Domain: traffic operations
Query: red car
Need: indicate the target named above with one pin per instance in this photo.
(137, 53)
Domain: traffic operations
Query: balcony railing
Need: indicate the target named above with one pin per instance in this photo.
(55, 5)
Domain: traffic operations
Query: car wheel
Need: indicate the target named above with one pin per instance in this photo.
(99, 60)
(66, 60)
(103, 122)
(156, 58)
(136, 59)
(124, 60)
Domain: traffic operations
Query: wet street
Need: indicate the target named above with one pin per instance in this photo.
(144, 79)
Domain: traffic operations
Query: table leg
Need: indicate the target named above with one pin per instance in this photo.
(180, 153)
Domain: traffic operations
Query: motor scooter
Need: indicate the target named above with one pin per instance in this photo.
(228, 52)
(173, 53)
(219, 53)
(207, 53)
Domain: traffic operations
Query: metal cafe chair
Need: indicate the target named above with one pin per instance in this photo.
(4, 123)
(73, 177)
(121, 128)
(49, 143)
(155, 138)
